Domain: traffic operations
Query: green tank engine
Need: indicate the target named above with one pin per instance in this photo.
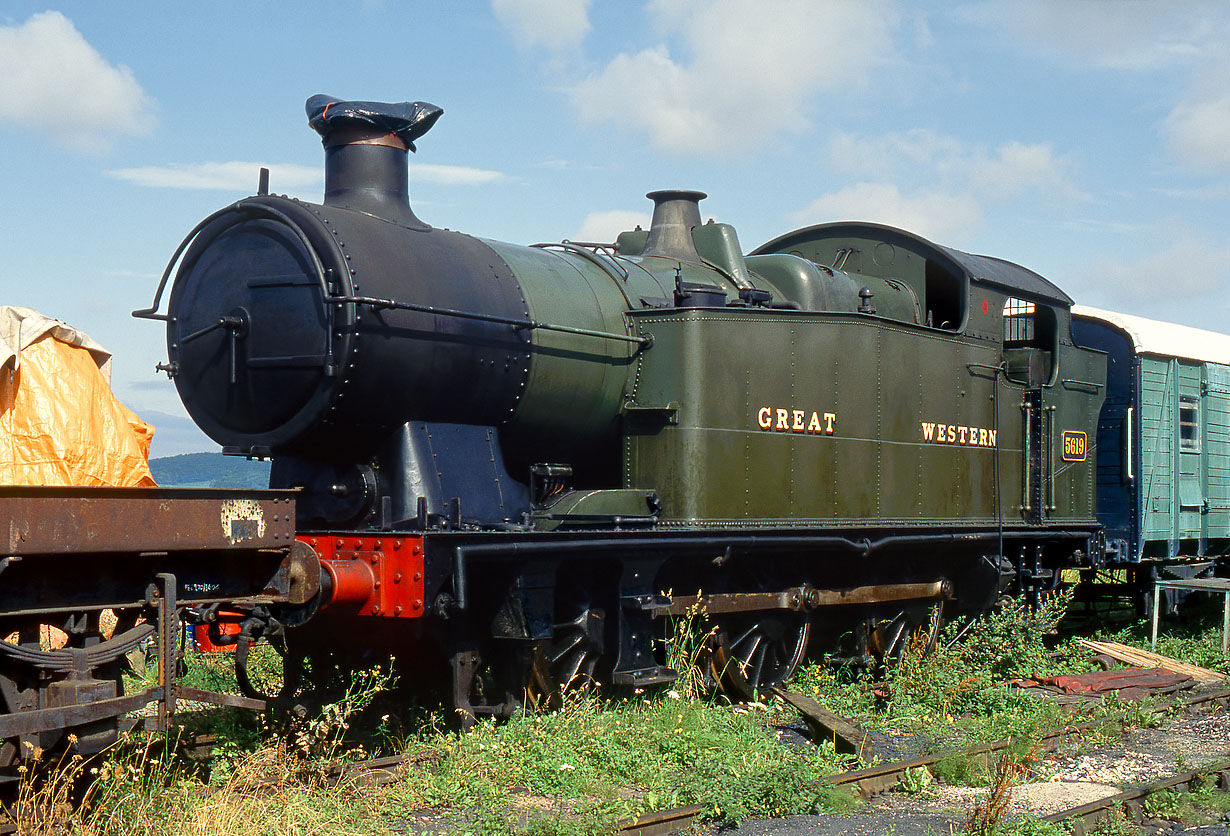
(835, 437)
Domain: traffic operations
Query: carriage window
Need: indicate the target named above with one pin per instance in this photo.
(1189, 423)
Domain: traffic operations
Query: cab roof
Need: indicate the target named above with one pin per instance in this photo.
(976, 268)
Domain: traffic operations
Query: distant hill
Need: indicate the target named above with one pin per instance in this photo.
(209, 470)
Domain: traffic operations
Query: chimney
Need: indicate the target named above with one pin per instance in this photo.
(367, 171)
(675, 212)
(366, 145)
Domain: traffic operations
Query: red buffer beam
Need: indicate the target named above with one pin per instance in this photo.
(375, 576)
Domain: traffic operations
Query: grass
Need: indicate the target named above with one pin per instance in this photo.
(613, 759)
(957, 694)
(266, 793)
(575, 771)
(579, 770)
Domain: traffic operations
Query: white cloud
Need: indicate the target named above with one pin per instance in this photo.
(1188, 281)
(603, 227)
(1162, 38)
(1199, 132)
(1016, 168)
(228, 176)
(1109, 33)
(893, 152)
(751, 69)
(58, 85)
(927, 156)
(242, 176)
(1172, 37)
(933, 214)
(557, 25)
(937, 185)
(1198, 128)
(452, 175)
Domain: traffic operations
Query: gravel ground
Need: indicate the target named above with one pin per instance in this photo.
(1060, 783)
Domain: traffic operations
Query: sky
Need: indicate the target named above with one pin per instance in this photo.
(1088, 140)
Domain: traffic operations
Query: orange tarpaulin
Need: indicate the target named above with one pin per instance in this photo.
(59, 422)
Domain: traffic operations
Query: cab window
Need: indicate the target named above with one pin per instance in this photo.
(1030, 341)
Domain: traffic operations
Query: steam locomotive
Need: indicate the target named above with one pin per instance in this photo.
(512, 463)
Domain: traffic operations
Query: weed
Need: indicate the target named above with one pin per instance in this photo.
(985, 818)
(1210, 800)
(835, 801)
(954, 695)
(962, 770)
(322, 736)
(686, 648)
(134, 788)
(666, 751)
(1194, 639)
(45, 792)
(1114, 822)
(1121, 715)
(918, 781)
(962, 675)
(845, 690)
(1165, 804)
(1028, 826)
(1203, 805)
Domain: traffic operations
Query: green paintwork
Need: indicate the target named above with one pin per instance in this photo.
(718, 245)
(889, 389)
(870, 417)
(724, 367)
(1216, 435)
(576, 383)
(883, 384)
(1185, 489)
(814, 288)
(941, 294)
(614, 507)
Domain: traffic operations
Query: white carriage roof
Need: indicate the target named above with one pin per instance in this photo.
(1166, 339)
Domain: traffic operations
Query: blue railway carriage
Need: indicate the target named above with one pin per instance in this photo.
(1163, 442)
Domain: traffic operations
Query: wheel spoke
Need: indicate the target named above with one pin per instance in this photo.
(567, 660)
(766, 652)
(570, 644)
(758, 668)
(751, 632)
(747, 648)
(891, 637)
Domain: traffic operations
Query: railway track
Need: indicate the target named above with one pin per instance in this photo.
(872, 781)
(866, 782)
(1086, 817)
